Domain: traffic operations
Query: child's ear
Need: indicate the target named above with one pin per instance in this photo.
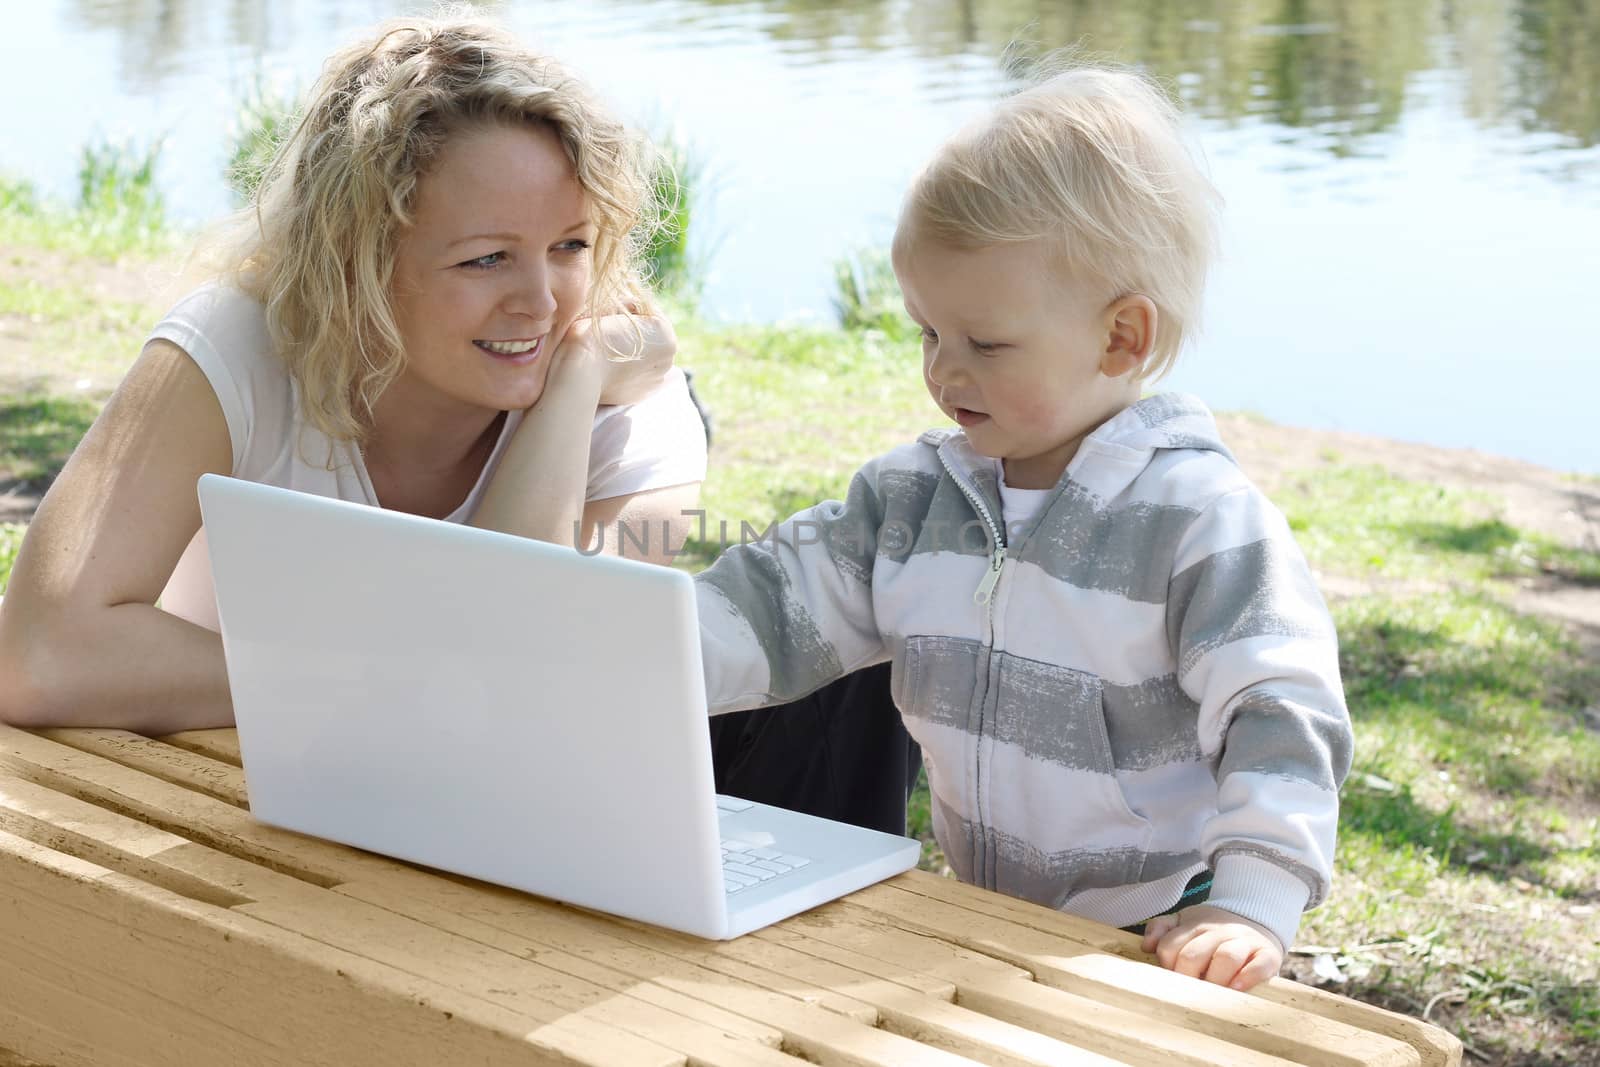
(1130, 334)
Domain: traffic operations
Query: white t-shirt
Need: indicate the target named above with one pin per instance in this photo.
(1017, 506)
(656, 443)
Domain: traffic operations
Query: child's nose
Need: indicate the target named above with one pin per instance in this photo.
(943, 368)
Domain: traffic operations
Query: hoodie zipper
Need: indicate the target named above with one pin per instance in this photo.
(997, 557)
(984, 597)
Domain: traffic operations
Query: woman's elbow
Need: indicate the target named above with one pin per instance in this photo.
(30, 689)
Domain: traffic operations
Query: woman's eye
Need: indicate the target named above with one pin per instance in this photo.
(493, 259)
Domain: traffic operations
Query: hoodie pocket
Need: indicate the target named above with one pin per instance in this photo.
(933, 680)
(1060, 796)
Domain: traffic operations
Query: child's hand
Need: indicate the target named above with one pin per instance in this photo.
(1219, 946)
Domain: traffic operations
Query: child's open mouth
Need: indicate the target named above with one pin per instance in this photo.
(968, 417)
(515, 352)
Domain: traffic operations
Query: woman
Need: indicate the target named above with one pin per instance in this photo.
(410, 319)
(413, 315)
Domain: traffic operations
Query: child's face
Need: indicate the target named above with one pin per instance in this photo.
(1016, 351)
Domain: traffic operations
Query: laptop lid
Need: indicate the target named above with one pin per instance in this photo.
(496, 706)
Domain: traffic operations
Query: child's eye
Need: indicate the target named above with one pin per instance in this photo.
(929, 335)
(493, 259)
(577, 244)
(984, 347)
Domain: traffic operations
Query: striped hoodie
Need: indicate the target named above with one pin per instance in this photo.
(1139, 684)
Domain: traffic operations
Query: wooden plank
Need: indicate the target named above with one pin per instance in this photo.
(803, 1027)
(905, 1011)
(198, 817)
(849, 934)
(147, 977)
(589, 949)
(1133, 1038)
(817, 1034)
(1437, 1047)
(221, 744)
(1090, 934)
(126, 790)
(494, 974)
(763, 964)
(1252, 1022)
(12, 1059)
(67, 825)
(166, 762)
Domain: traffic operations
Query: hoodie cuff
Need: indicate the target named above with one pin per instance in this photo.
(1261, 891)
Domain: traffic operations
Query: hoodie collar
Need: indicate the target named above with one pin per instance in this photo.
(1132, 437)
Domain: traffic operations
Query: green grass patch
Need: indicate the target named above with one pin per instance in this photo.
(866, 295)
(797, 412)
(119, 211)
(38, 431)
(1460, 681)
(1360, 520)
(1468, 867)
(71, 341)
(263, 121)
(677, 186)
(10, 541)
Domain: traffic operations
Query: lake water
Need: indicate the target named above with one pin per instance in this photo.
(1413, 186)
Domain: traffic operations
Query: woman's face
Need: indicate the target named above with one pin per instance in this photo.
(494, 269)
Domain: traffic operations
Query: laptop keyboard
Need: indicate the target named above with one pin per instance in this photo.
(744, 864)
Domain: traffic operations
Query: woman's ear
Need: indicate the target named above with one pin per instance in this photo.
(1130, 334)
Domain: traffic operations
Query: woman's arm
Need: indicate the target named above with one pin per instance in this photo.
(539, 488)
(81, 643)
(651, 525)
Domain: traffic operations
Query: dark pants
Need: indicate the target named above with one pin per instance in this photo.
(841, 753)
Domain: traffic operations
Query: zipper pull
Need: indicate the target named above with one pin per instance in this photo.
(997, 563)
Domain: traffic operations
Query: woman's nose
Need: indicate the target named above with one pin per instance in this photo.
(532, 295)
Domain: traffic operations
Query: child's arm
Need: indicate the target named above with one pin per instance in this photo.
(787, 613)
(1256, 649)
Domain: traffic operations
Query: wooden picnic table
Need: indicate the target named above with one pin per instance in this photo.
(146, 918)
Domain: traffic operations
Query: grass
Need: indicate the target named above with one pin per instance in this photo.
(119, 212)
(264, 119)
(866, 295)
(1468, 869)
(1363, 521)
(10, 540)
(677, 181)
(39, 430)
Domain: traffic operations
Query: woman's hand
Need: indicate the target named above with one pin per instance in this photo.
(590, 349)
(1216, 945)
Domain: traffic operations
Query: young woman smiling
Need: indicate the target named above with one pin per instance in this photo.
(423, 310)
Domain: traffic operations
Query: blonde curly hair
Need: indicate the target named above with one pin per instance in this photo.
(317, 245)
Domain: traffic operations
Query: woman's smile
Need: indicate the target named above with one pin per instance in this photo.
(519, 353)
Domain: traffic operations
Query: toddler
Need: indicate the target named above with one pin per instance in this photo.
(1122, 676)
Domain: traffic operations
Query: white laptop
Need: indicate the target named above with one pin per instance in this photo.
(503, 708)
